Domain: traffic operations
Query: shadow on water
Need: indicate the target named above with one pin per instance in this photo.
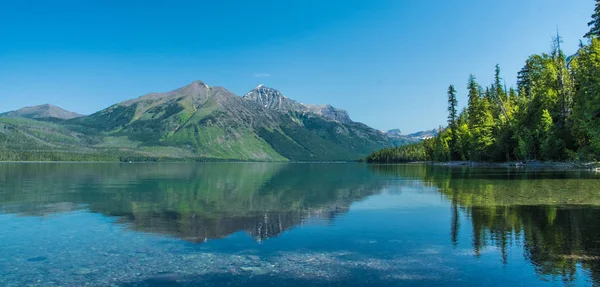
(554, 214)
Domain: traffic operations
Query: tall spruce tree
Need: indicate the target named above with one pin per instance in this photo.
(562, 81)
(474, 98)
(452, 124)
(595, 23)
(499, 94)
(498, 88)
(524, 79)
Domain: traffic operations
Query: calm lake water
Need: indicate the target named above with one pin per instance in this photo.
(266, 224)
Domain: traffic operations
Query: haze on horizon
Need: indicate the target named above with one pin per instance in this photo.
(388, 63)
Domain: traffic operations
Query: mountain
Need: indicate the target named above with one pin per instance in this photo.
(273, 99)
(424, 134)
(394, 133)
(313, 132)
(398, 139)
(42, 111)
(197, 122)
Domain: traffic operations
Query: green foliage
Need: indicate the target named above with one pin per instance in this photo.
(554, 114)
(441, 150)
(586, 106)
(452, 123)
(407, 153)
(109, 119)
(308, 138)
(595, 23)
(474, 104)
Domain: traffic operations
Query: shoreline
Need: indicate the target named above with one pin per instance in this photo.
(175, 161)
(590, 166)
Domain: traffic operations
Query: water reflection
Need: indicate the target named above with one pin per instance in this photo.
(412, 228)
(553, 214)
(194, 202)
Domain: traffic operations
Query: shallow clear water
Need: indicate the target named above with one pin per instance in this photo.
(216, 224)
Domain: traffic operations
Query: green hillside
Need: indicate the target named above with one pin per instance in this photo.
(194, 122)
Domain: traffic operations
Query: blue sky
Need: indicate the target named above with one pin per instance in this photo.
(388, 63)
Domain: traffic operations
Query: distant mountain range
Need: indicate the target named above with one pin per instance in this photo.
(42, 112)
(423, 134)
(396, 137)
(194, 122)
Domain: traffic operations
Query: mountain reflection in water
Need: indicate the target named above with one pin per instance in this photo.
(194, 202)
(549, 216)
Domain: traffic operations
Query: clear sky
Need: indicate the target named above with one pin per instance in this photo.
(388, 63)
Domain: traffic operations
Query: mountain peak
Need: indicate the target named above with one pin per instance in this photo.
(394, 132)
(330, 112)
(42, 111)
(272, 99)
(262, 87)
(199, 83)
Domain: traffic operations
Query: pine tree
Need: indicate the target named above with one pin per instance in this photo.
(452, 124)
(512, 96)
(561, 80)
(498, 88)
(524, 79)
(498, 93)
(595, 23)
(474, 98)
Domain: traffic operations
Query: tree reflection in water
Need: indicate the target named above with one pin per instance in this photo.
(553, 214)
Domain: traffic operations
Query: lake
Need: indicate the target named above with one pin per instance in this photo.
(270, 224)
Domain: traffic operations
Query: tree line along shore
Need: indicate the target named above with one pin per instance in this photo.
(553, 115)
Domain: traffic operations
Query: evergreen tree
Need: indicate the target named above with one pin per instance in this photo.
(524, 79)
(441, 151)
(481, 130)
(498, 88)
(452, 122)
(498, 94)
(464, 136)
(474, 99)
(562, 82)
(553, 115)
(595, 23)
(586, 106)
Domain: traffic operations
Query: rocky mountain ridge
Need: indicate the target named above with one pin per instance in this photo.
(274, 99)
(196, 122)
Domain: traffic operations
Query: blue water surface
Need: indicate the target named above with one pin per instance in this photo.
(217, 224)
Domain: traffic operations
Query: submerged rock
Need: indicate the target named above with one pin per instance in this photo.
(255, 270)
